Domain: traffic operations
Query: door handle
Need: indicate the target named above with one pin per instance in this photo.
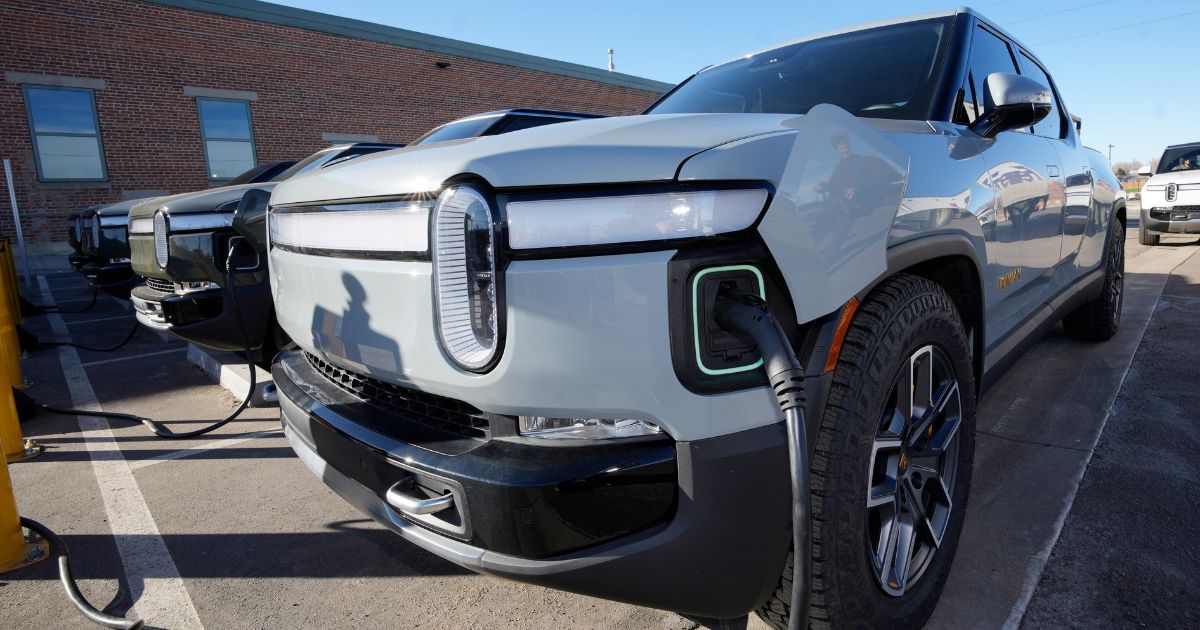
(398, 497)
(1052, 170)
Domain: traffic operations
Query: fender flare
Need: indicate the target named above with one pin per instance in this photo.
(923, 249)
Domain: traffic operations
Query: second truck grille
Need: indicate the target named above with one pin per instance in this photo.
(165, 286)
(449, 415)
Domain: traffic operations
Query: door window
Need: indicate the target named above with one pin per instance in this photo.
(988, 54)
(1051, 126)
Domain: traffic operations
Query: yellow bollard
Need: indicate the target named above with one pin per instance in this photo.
(15, 447)
(12, 287)
(10, 349)
(16, 551)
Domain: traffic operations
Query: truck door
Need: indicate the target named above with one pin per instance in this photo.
(1078, 206)
(1023, 228)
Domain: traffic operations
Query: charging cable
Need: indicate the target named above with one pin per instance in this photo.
(159, 428)
(746, 316)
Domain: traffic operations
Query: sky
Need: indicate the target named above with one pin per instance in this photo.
(1127, 67)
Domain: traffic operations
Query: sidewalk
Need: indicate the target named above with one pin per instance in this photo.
(1127, 556)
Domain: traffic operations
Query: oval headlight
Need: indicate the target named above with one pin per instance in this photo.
(464, 278)
(96, 231)
(160, 238)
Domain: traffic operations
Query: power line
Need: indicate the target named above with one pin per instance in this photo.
(1060, 12)
(1117, 28)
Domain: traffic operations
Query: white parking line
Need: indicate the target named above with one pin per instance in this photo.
(155, 585)
(188, 452)
(139, 355)
(99, 319)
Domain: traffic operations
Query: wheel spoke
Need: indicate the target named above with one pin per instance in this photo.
(886, 558)
(885, 467)
(920, 516)
(902, 557)
(943, 437)
(921, 371)
(901, 413)
(923, 431)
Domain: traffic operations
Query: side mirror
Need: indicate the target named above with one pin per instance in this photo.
(1012, 102)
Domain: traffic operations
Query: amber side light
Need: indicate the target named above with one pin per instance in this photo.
(839, 335)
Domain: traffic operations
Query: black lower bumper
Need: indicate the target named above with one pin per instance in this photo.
(1171, 221)
(78, 261)
(105, 274)
(203, 317)
(701, 528)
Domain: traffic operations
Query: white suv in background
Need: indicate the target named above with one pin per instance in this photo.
(1171, 199)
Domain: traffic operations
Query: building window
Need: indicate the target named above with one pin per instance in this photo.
(228, 141)
(66, 134)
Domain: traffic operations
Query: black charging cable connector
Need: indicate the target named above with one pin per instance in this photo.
(746, 315)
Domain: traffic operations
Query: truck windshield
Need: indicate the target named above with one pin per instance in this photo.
(261, 173)
(1175, 159)
(883, 72)
(459, 129)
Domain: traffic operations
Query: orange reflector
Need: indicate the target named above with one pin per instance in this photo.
(839, 335)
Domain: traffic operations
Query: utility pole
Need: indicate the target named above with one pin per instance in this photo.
(611, 66)
(1110, 147)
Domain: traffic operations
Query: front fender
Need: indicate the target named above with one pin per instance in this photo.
(828, 223)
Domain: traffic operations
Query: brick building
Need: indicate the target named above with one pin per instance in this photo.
(104, 100)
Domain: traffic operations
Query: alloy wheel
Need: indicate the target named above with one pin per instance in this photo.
(913, 469)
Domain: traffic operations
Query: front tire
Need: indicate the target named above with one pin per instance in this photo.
(891, 467)
(1146, 237)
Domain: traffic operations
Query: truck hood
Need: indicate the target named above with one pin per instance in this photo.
(603, 150)
(1179, 177)
(192, 202)
(121, 207)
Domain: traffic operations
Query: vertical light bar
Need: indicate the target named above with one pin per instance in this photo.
(465, 277)
(160, 238)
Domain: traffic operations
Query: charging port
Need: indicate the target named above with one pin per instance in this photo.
(718, 351)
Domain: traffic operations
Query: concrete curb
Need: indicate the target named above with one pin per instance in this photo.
(229, 371)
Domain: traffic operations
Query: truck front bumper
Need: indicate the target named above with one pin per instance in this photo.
(77, 260)
(699, 527)
(115, 277)
(1177, 220)
(202, 316)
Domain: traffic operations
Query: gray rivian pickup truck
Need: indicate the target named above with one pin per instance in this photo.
(509, 350)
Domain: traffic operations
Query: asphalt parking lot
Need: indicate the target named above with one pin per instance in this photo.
(1081, 513)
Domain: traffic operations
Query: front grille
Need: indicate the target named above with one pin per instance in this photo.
(1175, 212)
(166, 286)
(449, 415)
